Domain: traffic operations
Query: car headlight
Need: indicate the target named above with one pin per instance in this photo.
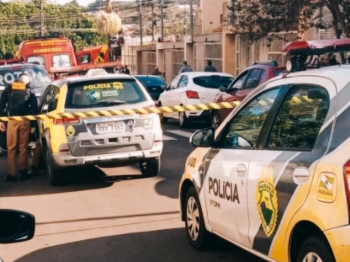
(148, 123)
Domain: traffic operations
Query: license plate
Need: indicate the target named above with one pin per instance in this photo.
(110, 127)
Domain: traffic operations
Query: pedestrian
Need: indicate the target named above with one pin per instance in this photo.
(210, 67)
(156, 71)
(333, 60)
(185, 68)
(126, 70)
(20, 101)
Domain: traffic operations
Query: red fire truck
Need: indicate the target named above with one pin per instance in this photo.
(57, 55)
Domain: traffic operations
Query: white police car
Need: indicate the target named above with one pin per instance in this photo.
(274, 179)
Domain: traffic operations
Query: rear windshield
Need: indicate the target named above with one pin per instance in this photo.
(151, 80)
(105, 93)
(39, 77)
(213, 81)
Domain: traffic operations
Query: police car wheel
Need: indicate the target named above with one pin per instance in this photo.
(150, 167)
(315, 249)
(55, 179)
(163, 119)
(197, 235)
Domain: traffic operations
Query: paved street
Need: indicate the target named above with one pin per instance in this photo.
(110, 214)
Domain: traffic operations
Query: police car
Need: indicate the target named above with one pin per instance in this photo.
(274, 178)
(99, 140)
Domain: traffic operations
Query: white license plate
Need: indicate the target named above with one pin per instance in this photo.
(110, 127)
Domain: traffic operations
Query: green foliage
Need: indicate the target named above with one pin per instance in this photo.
(260, 18)
(19, 21)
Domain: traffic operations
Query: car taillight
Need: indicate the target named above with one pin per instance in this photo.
(66, 121)
(347, 184)
(192, 94)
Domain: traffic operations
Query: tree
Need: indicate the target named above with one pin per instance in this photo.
(260, 18)
(265, 18)
(151, 17)
(340, 16)
(19, 21)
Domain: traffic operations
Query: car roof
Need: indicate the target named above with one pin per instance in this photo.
(264, 66)
(19, 65)
(150, 76)
(79, 79)
(338, 74)
(199, 73)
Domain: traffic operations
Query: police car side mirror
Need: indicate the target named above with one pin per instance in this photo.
(203, 138)
(16, 226)
(223, 88)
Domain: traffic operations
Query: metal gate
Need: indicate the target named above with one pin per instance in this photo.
(177, 60)
(148, 62)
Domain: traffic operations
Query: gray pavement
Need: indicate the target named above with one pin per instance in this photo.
(110, 214)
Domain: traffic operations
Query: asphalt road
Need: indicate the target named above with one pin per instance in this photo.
(110, 214)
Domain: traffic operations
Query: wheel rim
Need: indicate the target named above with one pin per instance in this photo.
(312, 257)
(192, 218)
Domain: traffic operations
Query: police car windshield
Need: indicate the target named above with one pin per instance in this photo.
(104, 93)
(39, 77)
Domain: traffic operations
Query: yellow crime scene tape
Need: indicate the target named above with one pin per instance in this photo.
(144, 111)
(123, 112)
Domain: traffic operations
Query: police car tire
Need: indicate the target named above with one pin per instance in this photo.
(205, 238)
(150, 167)
(55, 179)
(318, 246)
(163, 119)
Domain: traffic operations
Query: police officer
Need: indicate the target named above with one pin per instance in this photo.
(19, 102)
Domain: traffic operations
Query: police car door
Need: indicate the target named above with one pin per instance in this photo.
(296, 137)
(227, 173)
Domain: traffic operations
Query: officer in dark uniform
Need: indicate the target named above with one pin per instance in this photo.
(20, 102)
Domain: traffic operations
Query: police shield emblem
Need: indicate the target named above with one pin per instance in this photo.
(266, 201)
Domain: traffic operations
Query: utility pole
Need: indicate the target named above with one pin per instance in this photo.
(162, 20)
(140, 14)
(192, 24)
(41, 17)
